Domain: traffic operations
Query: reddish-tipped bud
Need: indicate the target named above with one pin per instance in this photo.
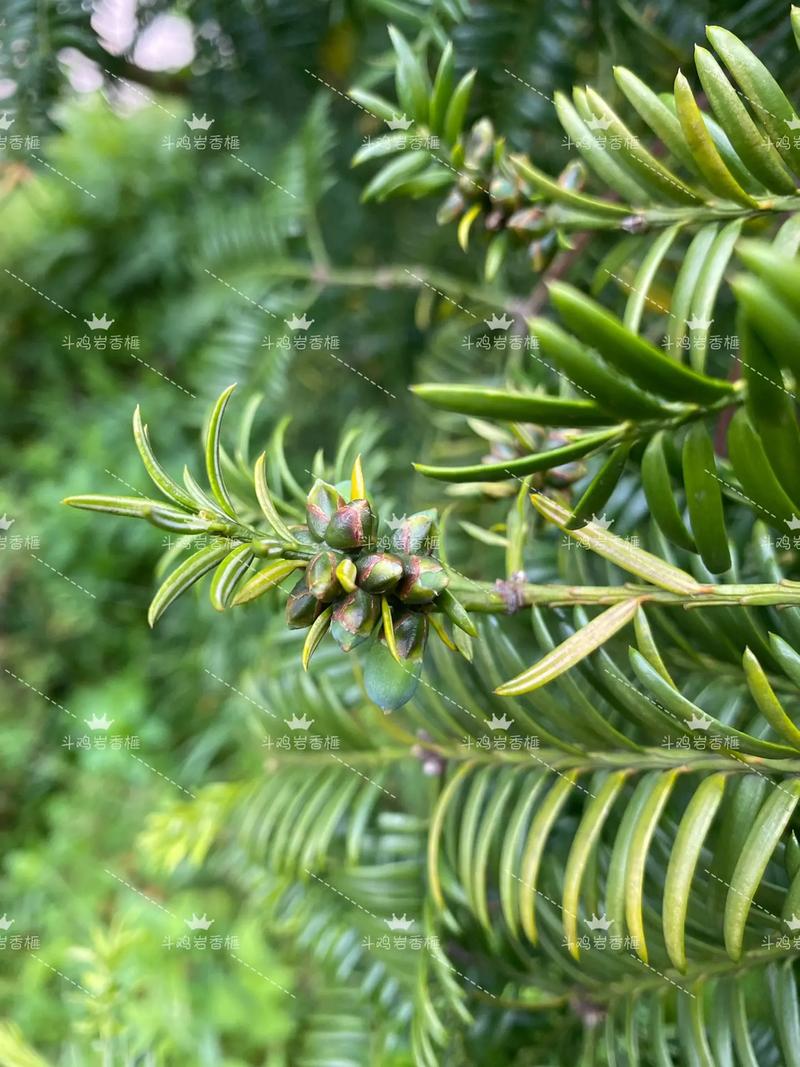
(411, 635)
(452, 207)
(321, 503)
(302, 607)
(351, 526)
(379, 572)
(423, 579)
(354, 618)
(321, 576)
(480, 142)
(410, 533)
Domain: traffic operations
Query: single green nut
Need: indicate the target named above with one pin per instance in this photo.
(503, 191)
(479, 145)
(321, 503)
(321, 576)
(410, 533)
(423, 579)
(451, 208)
(529, 222)
(352, 526)
(411, 635)
(302, 607)
(379, 572)
(354, 618)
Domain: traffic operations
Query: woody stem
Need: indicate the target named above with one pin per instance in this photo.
(506, 597)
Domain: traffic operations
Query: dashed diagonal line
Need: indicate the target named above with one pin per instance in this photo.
(266, 978)
(61, 974)
(632, 955)
(440, 958)
(38, 692)
(39, 292)
(434, 157)
(239, 692)
(166, 778)
(355, 770)
(66, 178)
(148, 97)
(138, 892)
(272, 314)
(155, 370)
(264, 176)
(61, 574)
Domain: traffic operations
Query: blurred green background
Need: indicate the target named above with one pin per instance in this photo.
(104, 212)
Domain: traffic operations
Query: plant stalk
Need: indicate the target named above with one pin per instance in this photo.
(507, 597)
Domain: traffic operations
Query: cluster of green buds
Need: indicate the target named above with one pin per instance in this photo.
(490, 187)
(362, 586)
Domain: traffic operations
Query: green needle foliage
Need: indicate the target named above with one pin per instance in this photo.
(567, 561)
(362, 585)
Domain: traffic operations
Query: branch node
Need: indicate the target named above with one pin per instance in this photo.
(512, 591)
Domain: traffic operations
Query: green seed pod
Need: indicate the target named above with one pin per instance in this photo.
(423, 579)
(543, 251)
(302, 607)
(354, 618)
(321, 503)
(411, 635)
(573, 176)
(479, 146)
(321, 576)
(503, 191)
(529, 222)
(379, 572)
(410, 533)
(451, 208)
(352, 526)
